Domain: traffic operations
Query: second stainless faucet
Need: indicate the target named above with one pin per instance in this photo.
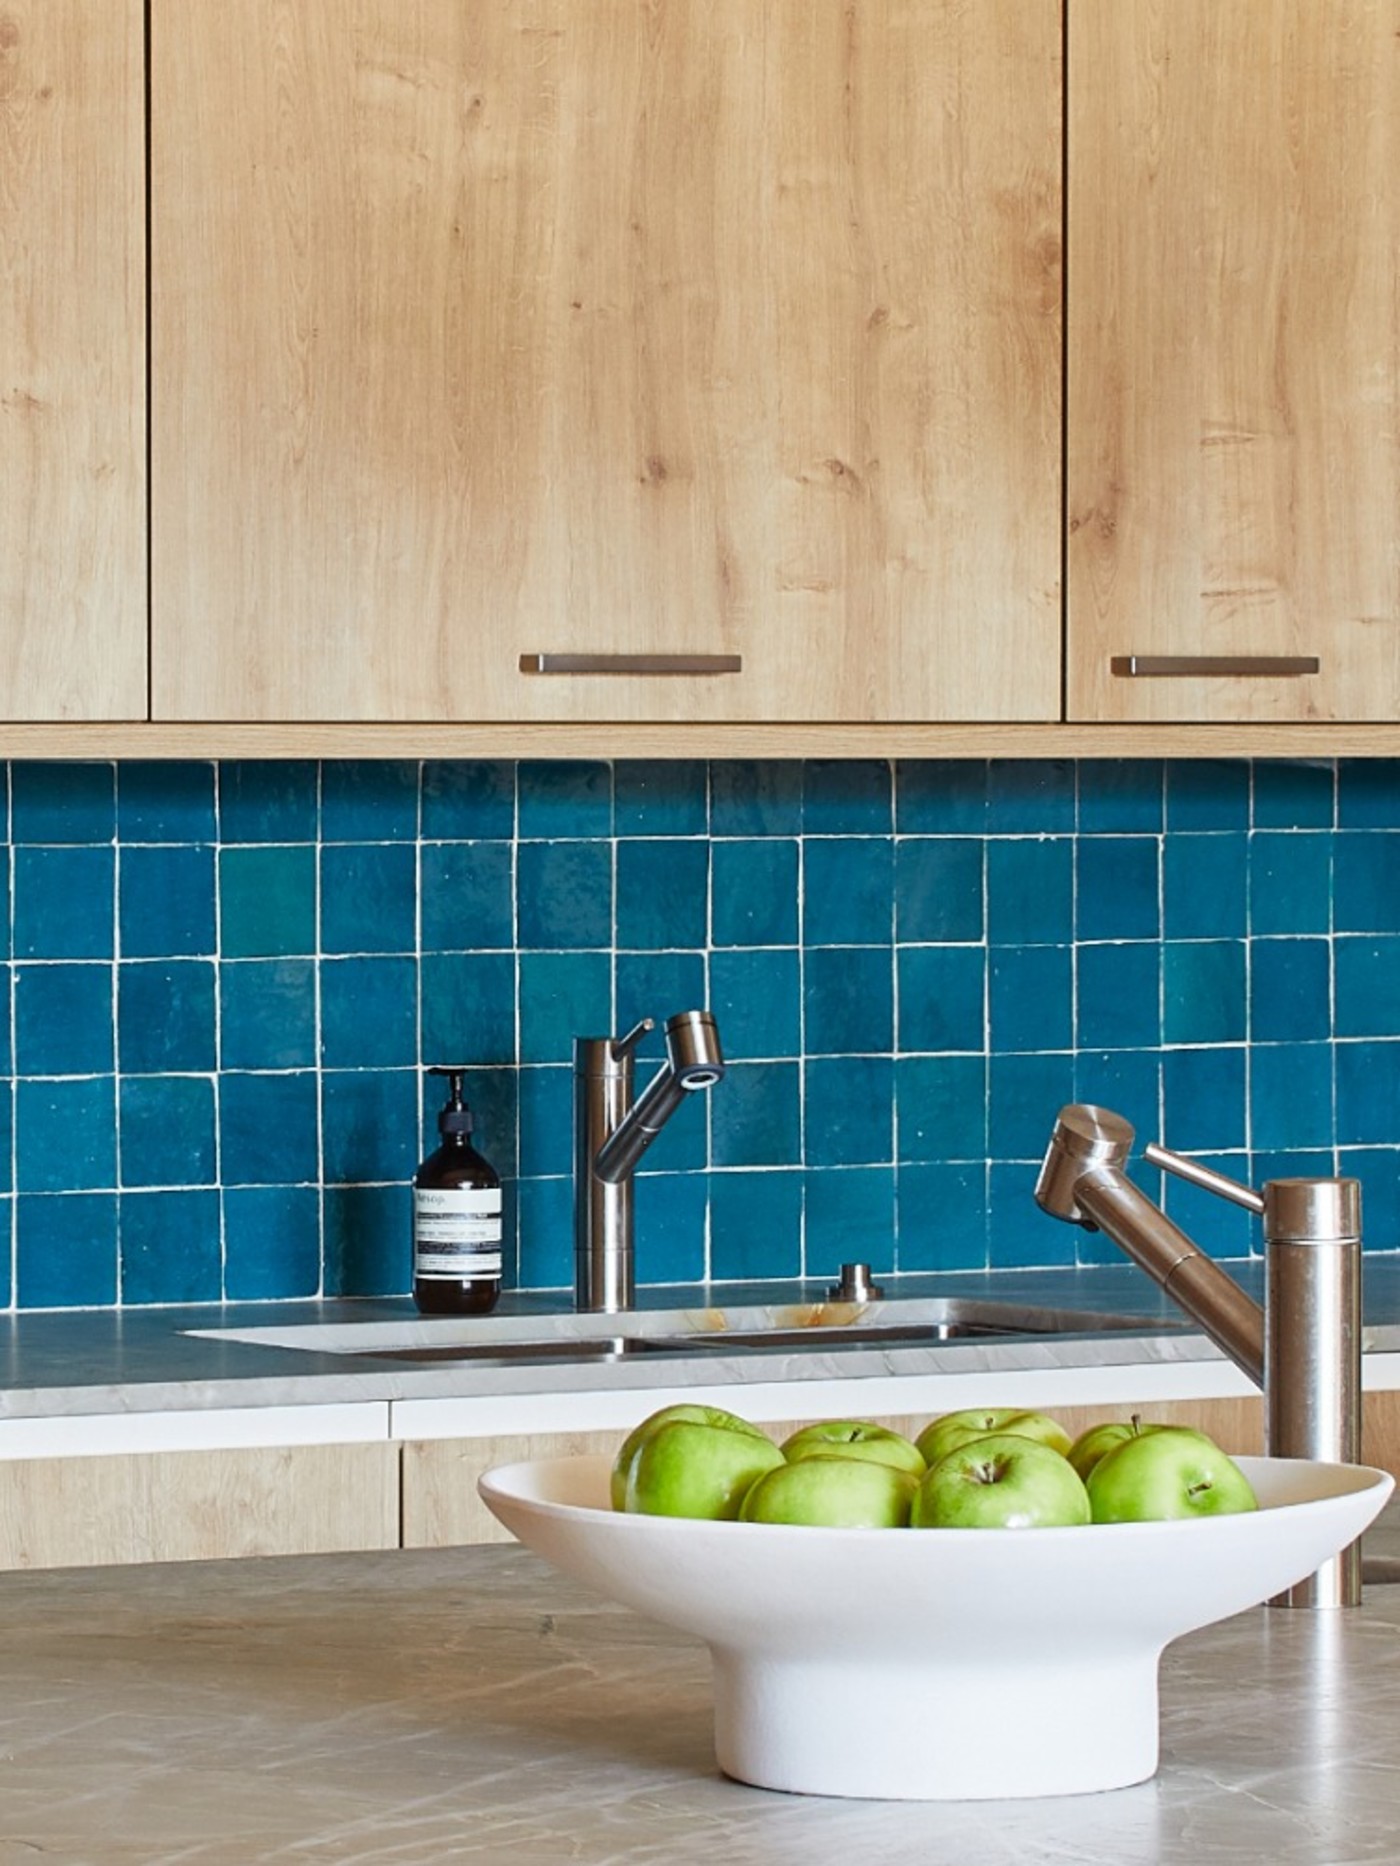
(611, 1133)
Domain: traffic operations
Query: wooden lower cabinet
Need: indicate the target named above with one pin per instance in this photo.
(197, 1505)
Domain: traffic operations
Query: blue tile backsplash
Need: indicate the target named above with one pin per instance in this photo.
(224, 982)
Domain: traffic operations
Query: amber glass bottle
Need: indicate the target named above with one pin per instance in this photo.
(456, 1218)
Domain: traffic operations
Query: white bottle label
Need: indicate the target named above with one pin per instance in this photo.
(457, 1231)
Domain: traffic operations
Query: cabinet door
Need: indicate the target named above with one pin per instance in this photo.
(725, 328)
(1234, 356)
(72, 361)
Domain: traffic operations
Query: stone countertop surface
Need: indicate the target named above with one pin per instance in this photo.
(407, 1709)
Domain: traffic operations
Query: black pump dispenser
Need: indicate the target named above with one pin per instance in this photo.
(456, 1216)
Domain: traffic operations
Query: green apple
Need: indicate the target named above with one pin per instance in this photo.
(832, 1490)
(959, 1428)
(637, 1437)
(1163, 1475)
(1003, 1481)
(854, 1438)
(690, 1468)
(1098, 1440)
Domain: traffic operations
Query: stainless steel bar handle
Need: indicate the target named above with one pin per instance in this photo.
(1206, 1177)
(631, 663)
(1206, 666)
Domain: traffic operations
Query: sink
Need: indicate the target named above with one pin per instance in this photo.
(815, 1328)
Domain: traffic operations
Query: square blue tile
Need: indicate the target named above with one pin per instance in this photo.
(564, 895)
(66, 1135)
(1204, 884)
(1203, 991)
(167, 1131)
(368, 1240)
(938, 884)
(1030, 796)
(1290, 1095)
(658, 985)
(166, 1017)
(468, 1008)
(1290, 990)
(1290, 794)
(848, 891)
(66, 1251)
(941, 796)
(267, 1014)
(941, 993)
(756, 1000)
(468, 896)
(268, 800)
(1019, 1235)
(1203, 1099)
(368, 897)
(661, 797)
(1208, 793)
(1219, 1229)
(1290, 881)
(369, 1125)
(1024, 1094)
(942, 1217)
(267, 902)
(1121, 796)
(166, 901)
(1030, 890)
(842, 797)
(546, 1120)
(1368, 793)
(848, 1000)
(563, 996)
(268, 1129)
(1367, 987)
(369, 800)
(1128, 1081)
(663, 894)
(673, 1228)
(468, 800)
(756, 1117)
(170, 1247)
(63, 1019)
(850, 1218)
(754, 889)
(941, 1108)
(165, 802)
(1118, 888)
(63, 802)
(1366, 881)
(272, 1242)
(7, 1233)
(6, 895)
(563, 799)
(755, 798)
(546, 1246)
(755, 1226)
(1031, 996)
(1118, 996)
(1368, 1093)
(64, 903)
(849, 1111)
(369, 1013)
(493, 1095)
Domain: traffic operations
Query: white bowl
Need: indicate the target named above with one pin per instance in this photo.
(937, 1664)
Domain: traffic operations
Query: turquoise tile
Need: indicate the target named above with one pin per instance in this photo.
(368, 898)
(267, 1014)
(161, 802)
(272, 1242)
(267, 902)
(63, 1019)
(672, 1225)
(755, 799)
(1291, 1093)
(1121, 796)
(658, 985)
(1378, 1170)
(1213, 1224)
(1024, 1094)
(559, 799)
(850, 1218)
(1118, 995)
(849, 1114)
(268, 800)
(1203, 1098)
(1030, 891)
(941, 1107)
(1204, 882)
(564, 895)
(663, 894)
(1030, 796)
(1203, 991)
(66, 1135)
(1208, 793)
(369, 800)
(562, 996)
(73, 803)
(1118, 888)
(1290, 990)
(661, 797)
(546, 1246)
(1294, 794)
(368, 1240)
(167, 1131)
(467, 897)
(1367, 987)
(1368, 1093)
(1290, 882)
(268, 1129)
(755, 1226)
(842, 797)
(66, 1251)
(848, 1000)
(1368, 793)
(169, 1247)
(369, 1013)
(942, 1216)
(166, 1017)
(941, 997)
(754, 890)
(1366, 883)
(941, 797)
(1019, 1235)
(938, 888)
(166, 901)
(369, 1126)
(546, 1120)
(467, 801)
(1031, 996)
(756, 1117)
(64, 903)
(756, 1000)
(848, 891)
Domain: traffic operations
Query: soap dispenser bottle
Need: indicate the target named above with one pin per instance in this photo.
(456, 1217)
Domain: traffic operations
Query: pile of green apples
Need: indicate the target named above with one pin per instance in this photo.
(981, 1468)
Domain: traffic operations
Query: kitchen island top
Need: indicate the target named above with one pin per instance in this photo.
(473, 1704)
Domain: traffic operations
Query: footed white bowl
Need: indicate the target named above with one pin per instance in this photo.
(937, 1664)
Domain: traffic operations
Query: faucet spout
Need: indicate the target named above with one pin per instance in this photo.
(693, 1062)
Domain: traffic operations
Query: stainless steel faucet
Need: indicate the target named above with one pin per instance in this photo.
(611, 1133)
(1303, 1346)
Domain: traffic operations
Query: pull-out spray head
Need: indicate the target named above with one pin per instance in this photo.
(694, 1061)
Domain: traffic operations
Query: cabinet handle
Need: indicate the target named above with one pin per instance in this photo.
(631, 663)
(1173, 666)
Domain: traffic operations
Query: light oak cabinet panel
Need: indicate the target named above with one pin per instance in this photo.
(723, 327)
(197, 1505)
(72, 361)
(1234, 354)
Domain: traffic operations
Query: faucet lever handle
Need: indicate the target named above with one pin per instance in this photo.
(624, 1046)
(1204, 1176)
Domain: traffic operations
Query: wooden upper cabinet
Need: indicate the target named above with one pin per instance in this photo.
(1234, 355)
(72, 361)
(717, 327)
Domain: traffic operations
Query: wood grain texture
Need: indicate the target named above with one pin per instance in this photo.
(72, 361)
(719, 326)
(197, 1505)
(1234, 352)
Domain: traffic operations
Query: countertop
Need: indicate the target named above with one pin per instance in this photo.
(406, 1709)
